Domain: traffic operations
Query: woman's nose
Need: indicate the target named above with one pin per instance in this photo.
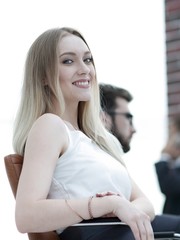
(83, 68)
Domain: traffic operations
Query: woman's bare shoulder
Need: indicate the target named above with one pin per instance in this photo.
(50, 120)
(49, 125)
(50, 117)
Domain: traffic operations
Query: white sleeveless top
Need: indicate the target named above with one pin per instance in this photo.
(85, 169)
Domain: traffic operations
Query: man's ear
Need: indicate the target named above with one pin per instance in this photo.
(107, 120)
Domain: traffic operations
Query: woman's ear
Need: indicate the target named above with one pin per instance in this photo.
(107, 120)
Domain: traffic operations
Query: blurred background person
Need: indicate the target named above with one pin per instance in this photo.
(168, 169)
(116, 114)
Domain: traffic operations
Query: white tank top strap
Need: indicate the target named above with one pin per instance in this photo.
(69, 134)
(73, 136)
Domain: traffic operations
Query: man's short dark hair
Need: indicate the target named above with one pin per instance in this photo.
(108, 95)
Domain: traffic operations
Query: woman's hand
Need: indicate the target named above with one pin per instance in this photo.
(138, 221)
(108, 193)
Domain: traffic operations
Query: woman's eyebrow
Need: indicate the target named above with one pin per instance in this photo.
(72, 53)
(67, 53)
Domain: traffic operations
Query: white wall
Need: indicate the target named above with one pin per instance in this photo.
(128, 44)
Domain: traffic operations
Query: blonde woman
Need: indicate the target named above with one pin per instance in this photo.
(72, 167)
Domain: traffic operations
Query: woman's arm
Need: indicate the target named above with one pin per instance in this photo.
(141, 202)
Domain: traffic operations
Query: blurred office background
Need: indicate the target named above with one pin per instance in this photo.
(129, 40)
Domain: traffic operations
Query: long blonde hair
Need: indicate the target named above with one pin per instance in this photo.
(42, 64)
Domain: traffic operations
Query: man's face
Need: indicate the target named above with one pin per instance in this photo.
(121, 124)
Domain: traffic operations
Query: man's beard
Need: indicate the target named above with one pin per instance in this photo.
(125, 145)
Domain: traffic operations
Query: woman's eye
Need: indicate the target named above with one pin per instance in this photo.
(67, 61)
(88, 60)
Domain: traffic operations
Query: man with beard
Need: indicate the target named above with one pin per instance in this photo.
(116, 114)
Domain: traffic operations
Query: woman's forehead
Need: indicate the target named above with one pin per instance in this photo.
(71, 43)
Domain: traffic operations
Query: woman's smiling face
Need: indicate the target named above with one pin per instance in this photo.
(76, 69)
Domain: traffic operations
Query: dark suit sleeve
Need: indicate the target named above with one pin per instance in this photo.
(168, 178)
